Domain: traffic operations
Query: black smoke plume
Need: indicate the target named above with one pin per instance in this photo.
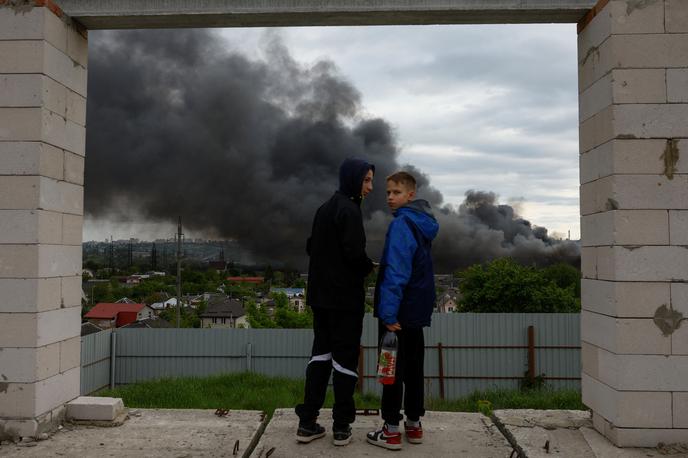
(247, 149)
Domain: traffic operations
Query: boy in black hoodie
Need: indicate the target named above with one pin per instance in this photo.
(336, 273)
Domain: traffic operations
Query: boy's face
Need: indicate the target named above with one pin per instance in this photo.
(367, 183)
(398, 195)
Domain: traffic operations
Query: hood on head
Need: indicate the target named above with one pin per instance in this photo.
(351, 174)
(420, 213)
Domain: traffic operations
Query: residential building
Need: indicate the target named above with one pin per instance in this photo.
(226, 313)
(111, 315)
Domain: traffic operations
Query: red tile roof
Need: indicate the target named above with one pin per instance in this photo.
(109, 311)
(246, 279)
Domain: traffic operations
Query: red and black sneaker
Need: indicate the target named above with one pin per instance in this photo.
(383, 438)
(414, 434)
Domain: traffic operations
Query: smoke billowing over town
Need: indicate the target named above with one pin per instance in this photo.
(247, 148)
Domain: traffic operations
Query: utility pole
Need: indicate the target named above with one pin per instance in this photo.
(154, 257)
(179, 272)
(111, 257)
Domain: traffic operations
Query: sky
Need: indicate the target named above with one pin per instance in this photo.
(486, 108)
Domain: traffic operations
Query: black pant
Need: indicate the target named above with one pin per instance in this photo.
(409, 377)
(337, 337)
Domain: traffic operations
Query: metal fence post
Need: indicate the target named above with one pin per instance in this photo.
(441, 368)
(361, 356)
(113, 355)
(248, 357)
(531, 353)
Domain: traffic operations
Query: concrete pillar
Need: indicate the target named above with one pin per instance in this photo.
(633, 83)
(42, 138)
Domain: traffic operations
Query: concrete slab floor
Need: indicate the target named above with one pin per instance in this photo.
(151, 433)
(447, 434)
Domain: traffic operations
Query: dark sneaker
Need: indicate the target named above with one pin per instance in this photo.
(414, 434)
(308, 432)
(385, 439)
(341, 436)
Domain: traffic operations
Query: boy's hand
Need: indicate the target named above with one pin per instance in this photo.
(393, 327)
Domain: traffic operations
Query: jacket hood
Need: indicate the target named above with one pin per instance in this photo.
(420, 213)
(351, 174)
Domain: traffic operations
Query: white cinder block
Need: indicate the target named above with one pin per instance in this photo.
(636, 17)
(30, 226)
(28, 365)
(589, 262)
(597, 129)
(57, 390)
(62, 69)
(598, 196)
(19, 192)
(594, 34)
(95, 408)
(645, 263)
(631, 192)
(677, 85)
(630, 336)
(676, 16)
(31, 158)
(639, 85)
(680, 410)
(21, 90)
(639, 372)
(29, 295)
(72, 230)
(76, 108)
(679, 298)
(39, 329)
(650, 50)
(626, 157)
(649, 120)
(77, 46)
(71, 291)
(626, 227)
(682, 164)
(18, 400)
(624, 299)
(73, 168)
(75, 136)
(61, 196)
(18, 56)
(70, 353)
(595, 98)
(20, 124)
(678, 227)
(39, 261)
(594, 64)
(647, 437)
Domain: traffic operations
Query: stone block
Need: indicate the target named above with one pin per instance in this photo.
(677, 85)
(639, 85)
(70, 353)
(589, 262)
(73, 168)
(595, 98)
(30, 295)
(597, 129)
(94, 408)
(636, 17)
(77, 46)
(18, 400)
(634, 192)
(71, 291)
(678, 227)
(64, 69)
(14, 428)
(75, 138)
(39, 329)
(17, 56)
(21, 90)
(647, 437)
(647, 121)
(680, 410)
(76, 108)
(598, 196)
(28, 365)
(594, 34)
(31, 158)
(682, 163)
(625, 157)
(630, 336)
(645, 263)
(61, 196)
(650, 50)
(626, 227)
(676, 16)
(33, 24)
(20, 124)
(40, 261)
(58, 390)
(624, 299)
(638, 409)
(679, 304)
(594, 63)
(30, 226)
(72, 230)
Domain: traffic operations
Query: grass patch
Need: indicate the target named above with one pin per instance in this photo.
(251, 391)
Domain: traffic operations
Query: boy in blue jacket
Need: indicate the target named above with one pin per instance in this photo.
(404, 300)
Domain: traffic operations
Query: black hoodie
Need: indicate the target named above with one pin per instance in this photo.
(338, 260)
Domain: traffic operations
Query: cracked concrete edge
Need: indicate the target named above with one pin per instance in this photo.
(520, 453)
(118, 421)
(256, 437)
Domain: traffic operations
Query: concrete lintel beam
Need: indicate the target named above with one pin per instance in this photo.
(106, 14)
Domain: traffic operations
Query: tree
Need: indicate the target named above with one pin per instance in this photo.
(505, 286)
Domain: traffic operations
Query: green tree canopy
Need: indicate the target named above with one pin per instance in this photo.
(505, 286)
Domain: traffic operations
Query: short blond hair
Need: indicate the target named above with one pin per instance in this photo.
(403, 178)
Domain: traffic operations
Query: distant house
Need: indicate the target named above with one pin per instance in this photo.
(169, 303)
(296, 296)
(111, 315)
(149, 323)
(251, 280)
(447, 304)
(227, 313)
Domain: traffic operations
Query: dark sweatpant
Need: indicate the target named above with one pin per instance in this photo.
(409, 377)
(337, 336)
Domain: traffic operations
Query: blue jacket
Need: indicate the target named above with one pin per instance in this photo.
(405, 290)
